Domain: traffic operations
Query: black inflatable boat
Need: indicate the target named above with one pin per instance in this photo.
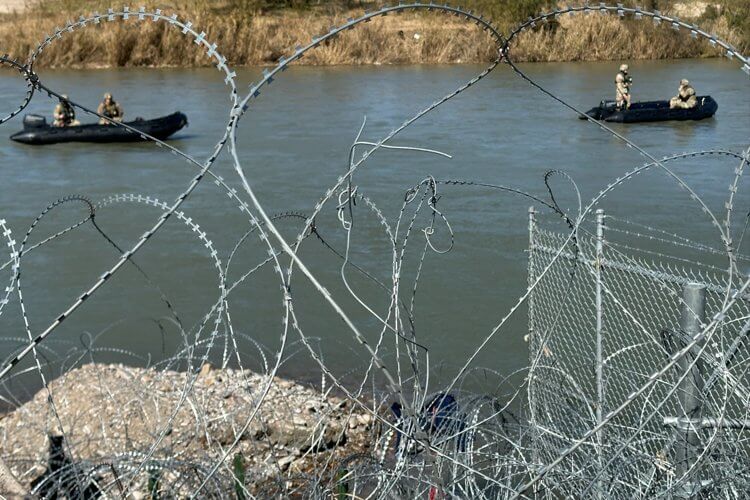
(652, 111)
(36, 130)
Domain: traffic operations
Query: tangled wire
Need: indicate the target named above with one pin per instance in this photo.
(184, 428)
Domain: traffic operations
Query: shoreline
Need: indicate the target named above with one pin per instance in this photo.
(310, 380)
(360, 65)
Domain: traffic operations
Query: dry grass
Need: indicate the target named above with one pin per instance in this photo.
(597, 37)
(261, 38)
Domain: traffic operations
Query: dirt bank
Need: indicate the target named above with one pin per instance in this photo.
(113, 416)
(260, 38)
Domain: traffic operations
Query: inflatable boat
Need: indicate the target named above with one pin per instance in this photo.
(652, 111)
(36, 130)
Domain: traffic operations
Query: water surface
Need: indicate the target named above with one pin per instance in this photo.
(293, 145)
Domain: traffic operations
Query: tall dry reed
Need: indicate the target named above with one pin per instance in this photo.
(257, 38)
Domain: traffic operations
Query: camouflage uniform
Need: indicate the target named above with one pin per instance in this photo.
(622, 87)
(109, 108)
(685, 98)
(64, 114)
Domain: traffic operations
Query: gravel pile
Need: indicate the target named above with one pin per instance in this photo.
(112, 411)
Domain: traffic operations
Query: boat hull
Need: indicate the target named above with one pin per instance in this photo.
(652, 111)
(160, 128)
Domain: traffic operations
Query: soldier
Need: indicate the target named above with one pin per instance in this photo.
(64, 113)
(623, 81)
(110, 109)
(685, 97)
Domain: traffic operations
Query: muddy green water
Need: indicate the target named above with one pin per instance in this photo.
(294, 144)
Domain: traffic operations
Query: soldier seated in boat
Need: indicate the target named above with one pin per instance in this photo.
(623, 81)
(109, 108)
(685, 98)
(64, 114)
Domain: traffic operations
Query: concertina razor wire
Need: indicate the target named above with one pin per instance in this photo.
(637, 384)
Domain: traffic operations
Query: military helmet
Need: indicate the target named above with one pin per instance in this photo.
(624, 68)
(108, 96)
(684, 82)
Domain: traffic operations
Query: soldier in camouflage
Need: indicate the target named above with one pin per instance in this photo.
(623, 81)
(64, 114)
(109, 108)
(685, 98)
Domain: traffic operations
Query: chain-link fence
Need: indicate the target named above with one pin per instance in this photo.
(605, 322)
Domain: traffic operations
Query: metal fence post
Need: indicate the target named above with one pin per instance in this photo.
(531, 338)
(599, 263)
(530, 275)
(691, 323)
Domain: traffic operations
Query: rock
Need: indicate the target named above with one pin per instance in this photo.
(364, 419)
(9, 485)
(285, 462)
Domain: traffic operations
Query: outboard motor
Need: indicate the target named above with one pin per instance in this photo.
(34, 121)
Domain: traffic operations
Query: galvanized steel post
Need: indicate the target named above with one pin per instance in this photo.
(531, 338)
(532, 229)
(692, 321)
(599, 263)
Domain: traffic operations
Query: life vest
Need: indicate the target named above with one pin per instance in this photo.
(686, 93)
(64, 113)
(68, 112)
(111, 110)
(622, 78)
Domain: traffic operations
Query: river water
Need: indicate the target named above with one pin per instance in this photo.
(294, 144)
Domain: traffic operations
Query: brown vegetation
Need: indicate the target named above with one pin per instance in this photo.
(249, 34)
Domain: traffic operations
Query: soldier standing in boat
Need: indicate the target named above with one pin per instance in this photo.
(623, 81)
(685, 98)
(64, 114)
(109, 108)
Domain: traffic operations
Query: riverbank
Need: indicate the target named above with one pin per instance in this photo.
(262, 36)
(114, 414)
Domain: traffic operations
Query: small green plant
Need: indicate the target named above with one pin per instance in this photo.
(154, 475)
(342, 485)
(239, 476)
